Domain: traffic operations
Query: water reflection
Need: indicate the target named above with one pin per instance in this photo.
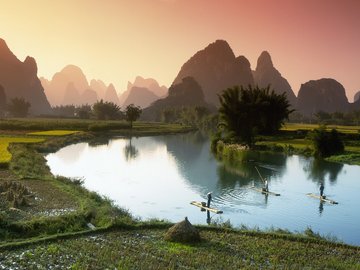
(98, 141)
(318, 169)
(130, 151)
(270, 165)
(321, 207)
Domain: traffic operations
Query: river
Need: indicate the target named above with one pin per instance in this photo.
(158, 177)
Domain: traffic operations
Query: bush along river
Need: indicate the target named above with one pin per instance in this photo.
(158, 177)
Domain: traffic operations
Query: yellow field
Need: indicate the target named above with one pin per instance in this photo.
(54, 133)
(5, 155)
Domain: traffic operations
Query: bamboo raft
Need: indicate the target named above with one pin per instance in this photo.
(265, 192)
(321, 198)
(198, 204)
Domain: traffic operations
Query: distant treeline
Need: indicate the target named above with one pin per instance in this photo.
(321, 117)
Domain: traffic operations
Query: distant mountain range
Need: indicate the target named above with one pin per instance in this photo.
(70, 87)
(142, 92)
(211, 70)
(216, 68)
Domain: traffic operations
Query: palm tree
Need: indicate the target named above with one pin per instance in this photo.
(253, 110)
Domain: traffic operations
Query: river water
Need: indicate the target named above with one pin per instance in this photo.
(158, 177)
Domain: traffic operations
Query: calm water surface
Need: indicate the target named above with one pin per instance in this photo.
(157, 177)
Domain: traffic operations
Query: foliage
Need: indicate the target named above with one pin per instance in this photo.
(326, 144)
(195, 116)
(84, 112)
(132, 113)
(250, 111)
(27, 163)
(18, 107)
(64, 110)
(326, 118)
(106, 110)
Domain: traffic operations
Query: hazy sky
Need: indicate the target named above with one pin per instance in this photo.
(116, 40)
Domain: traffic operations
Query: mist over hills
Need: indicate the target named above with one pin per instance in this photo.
(19, 79)
(140, 96)
(70, 87)
(145, 92)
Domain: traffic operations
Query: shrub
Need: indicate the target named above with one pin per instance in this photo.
(326, 144)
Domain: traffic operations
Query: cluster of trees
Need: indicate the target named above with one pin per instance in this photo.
(195, 116)
(325, 118)
(101, 110)
(338, 118)
(326, 143)
(16, 107)
(19, 107)
(247, 112)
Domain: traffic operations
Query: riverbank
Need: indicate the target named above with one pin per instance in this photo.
(33, 202)
(293, 139)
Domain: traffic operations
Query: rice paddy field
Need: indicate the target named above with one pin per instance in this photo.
(147, 249)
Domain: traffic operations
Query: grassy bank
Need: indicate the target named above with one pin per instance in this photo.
(34, 203)
(146, 249)
(5, 141)
(293, 139)
(70, 125)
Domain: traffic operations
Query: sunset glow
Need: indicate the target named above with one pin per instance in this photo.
(116, 40)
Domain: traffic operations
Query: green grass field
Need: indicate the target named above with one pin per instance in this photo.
(339, 128)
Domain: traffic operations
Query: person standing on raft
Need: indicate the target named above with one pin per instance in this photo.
(321, 189)
(266, 185)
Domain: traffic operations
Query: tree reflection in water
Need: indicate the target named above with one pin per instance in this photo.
(130, 151)
(318, 169)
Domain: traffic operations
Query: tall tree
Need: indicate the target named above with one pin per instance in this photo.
(246, 112)
(132, 113)
(2, 101)
(18, 107)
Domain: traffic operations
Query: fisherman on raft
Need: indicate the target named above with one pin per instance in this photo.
(266, 185)
(322, 190)
(209, 197)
